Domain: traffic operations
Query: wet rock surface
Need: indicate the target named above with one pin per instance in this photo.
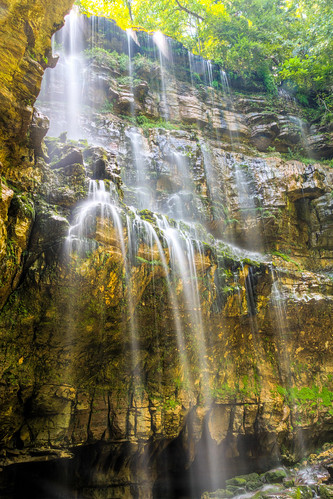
(252, 409)
(25, 46)
(76, 413)
(310, 478)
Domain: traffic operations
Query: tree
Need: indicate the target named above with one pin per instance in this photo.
(276, 41)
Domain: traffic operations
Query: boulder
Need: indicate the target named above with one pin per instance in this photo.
(38, 129)
(274, 476)
(71, 157)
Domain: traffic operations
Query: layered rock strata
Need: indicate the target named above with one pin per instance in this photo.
(80, 416)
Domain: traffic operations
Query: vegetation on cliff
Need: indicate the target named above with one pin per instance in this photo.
(280, 42)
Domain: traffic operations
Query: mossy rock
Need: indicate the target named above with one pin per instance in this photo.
(218, 494)
(238, 481)
(302, 492)
(268, 491)
(75, 170)
(253, 484)
(289, 482)
(274, 476)
(71, 156)
(251, 477)
(236, 490)
(326, 491)
(251, 481)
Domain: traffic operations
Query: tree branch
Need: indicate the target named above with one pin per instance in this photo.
(129, 6)
(194, 14)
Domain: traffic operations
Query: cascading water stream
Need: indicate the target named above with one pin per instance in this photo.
(152, 240)
(184, 204)
(99, 203)
(187, 259)
(73, 83)
(129, 33)
(226, 86)
(163, 52)
(182, 250)
(208, 76)
(173, 249)
(303, 132)
(246, 189)
(141, 186)
(280, 318)
(101, 213)
(64, 87)
(190, 63)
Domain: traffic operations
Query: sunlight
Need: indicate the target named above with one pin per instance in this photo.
(161, 42)
(133, 35)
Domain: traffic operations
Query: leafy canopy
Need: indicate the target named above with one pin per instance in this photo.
(279, 41)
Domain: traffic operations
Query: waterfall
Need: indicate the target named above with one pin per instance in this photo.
(281, 323)
(99, 204)
(163, 52)
(304, 133)
(71, 74)
(129, 34)
(171, 227)
(144, 196)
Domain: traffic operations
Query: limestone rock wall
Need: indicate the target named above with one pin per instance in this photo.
(25, 47)
(25, 51)
(69, 391)
(75, 411)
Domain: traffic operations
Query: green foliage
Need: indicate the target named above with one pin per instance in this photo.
(112, 60)
(170, 404)
(146, 123)
(268, 79)
(107, 107)
(308, 397)
(298, 156)
(275, 42)
(128, 81)
(143, 65)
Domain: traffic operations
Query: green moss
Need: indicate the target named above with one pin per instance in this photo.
(326, 491)
(302, 492)
(243, 387)
(113, 60)
(128, 81)
(308, 397)
(147, 123)
(148, 216)
(170, 404)
(236, 481)
(236, 490)
(144, 65)
(286, 258)
(149, 262)
(220, 493)
(231, 290)
(274, 476)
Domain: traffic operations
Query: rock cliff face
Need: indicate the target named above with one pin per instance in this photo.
(122, 375)
(26, 28)
(25, 49)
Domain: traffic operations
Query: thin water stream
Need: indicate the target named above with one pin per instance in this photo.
(161, 43)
